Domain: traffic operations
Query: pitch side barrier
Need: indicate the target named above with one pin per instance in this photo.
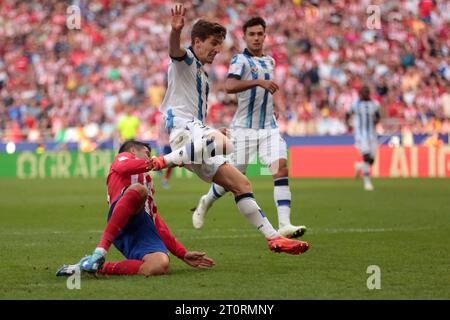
(312, 156)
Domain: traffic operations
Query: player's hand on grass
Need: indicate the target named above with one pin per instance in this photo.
(198, 259)
(178, 13)
(268, 85)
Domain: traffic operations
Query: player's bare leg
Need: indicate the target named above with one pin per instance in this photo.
(233, 180)
(130, 204)
(154, 264)
(282, 196)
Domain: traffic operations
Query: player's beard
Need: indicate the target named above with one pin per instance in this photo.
(211, 58)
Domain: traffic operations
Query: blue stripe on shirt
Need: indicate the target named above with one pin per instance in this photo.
(169, 119)
(251, 104)
(273, 122)
(262, 114)
(207, 93)
(199, 91)
(242, 71)
(188, 59)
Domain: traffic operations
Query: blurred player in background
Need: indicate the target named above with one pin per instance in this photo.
(134, 224)
(366, 115)
(254, 129)
(163, 146)
(200, 148)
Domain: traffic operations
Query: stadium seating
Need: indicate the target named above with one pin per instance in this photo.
(64, 85)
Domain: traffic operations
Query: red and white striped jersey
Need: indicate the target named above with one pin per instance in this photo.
(126, 170)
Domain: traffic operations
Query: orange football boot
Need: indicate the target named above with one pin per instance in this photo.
(289, 246)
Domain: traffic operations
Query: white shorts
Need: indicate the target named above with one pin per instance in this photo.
(367, 146)
(249, 143)
(186, 131)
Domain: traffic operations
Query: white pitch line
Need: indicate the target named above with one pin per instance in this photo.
(224, 233)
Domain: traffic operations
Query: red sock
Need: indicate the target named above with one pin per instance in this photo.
(130, 202)
(126, 267)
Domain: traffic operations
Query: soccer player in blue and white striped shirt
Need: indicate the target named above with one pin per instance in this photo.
(196, 146)
(366, 114)
(254, 129)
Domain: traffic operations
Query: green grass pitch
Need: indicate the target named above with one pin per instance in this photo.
(403, 227)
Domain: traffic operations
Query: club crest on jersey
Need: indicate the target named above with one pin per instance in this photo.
(254, 69)
(199, 72)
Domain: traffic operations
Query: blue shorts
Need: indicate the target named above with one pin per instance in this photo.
(139, 236)
(164, 149)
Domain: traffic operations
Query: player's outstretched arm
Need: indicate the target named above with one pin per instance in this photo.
(192, 258)
(233, 85)
(280, 106)
(175, 48)
(198, 259)
(124, 165)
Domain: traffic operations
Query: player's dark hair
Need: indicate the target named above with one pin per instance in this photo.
(255, 21)
(127, 145)
(364, 93)
(202, 29)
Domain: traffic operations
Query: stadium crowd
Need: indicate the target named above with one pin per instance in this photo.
(109, 76)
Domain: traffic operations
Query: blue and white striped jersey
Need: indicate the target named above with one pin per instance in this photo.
(365, 114)
(187, 91)
(255, 106)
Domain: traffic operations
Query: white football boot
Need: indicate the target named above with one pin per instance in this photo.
(368, 185)
(290, 231)
(198, 217)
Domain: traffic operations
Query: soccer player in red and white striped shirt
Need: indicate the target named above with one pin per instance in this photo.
(134, 224)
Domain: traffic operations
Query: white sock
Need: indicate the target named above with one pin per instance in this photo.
(193, 152)
(282, 196)
(251, 211)
(365, 169)
(215, 192)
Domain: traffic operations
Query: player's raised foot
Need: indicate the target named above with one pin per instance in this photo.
(290, 231)
(198, 217)
(94, 262)
(165, 184)
(368, 185)
(68, 270)
(289, 246)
